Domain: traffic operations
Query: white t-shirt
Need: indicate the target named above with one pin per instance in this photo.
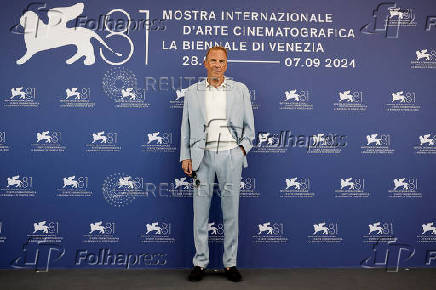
(218, 136)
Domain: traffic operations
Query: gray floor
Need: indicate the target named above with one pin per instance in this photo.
(332, 279)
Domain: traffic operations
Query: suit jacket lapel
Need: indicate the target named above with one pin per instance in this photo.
(201, 94)
(229, 99)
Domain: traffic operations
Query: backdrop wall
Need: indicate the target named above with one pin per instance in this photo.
(91, 102)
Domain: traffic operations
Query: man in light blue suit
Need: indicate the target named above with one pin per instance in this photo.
(217, 132)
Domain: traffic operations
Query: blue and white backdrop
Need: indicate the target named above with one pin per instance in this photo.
(342, 174)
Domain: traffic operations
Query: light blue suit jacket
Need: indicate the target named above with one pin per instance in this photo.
(240, 120)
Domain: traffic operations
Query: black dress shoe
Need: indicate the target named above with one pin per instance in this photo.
(196, 274)
(233, 274)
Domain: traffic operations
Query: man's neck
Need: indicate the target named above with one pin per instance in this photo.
(215, 81)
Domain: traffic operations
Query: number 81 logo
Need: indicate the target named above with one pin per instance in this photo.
(122, 33)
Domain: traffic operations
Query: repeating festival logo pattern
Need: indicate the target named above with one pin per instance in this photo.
(180, 187)
(121, 85)
(178, 98)
(353, 187)
(296, 99)
(325, 232)
(48, 140)
(76, 97)
(351, 100)
(159, 141)
(402, 101)
(426, 144)
(17, 186)
(4, 147)
(74, 186)
(379, 232)
(325, 143)
(103, 141)
(425, 58)
(46, 231)
(157, 231)
(427, 232)
(119, 189)
(405, 187)
(21, 97)
(247, 187)
(270, 142)
(377, 143)
(297, 187)
(269, 232)
(101, 232)
(215, 232)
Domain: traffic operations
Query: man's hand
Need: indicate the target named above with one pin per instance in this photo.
(243, 150)
(187, 167)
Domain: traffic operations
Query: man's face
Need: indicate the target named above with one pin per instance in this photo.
(216, 63)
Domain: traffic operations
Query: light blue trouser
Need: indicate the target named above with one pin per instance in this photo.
(227, 165)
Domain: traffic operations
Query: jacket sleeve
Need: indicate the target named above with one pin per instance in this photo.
(185, 150)
(248, 133)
